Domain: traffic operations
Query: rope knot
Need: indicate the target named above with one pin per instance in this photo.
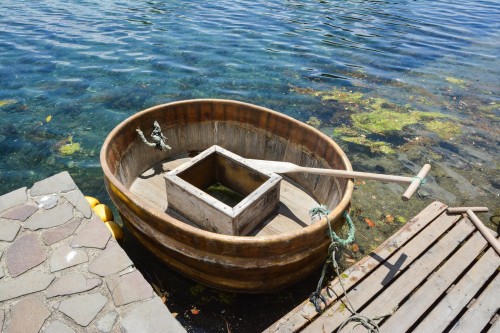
(157, 137)
(422, 180)
(316, 298)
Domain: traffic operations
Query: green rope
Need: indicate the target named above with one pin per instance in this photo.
(322, 210)
(316, 297)
(422, 180)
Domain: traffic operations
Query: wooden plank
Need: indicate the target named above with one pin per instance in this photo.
(460, 295)
(439, 282)
(304, 313)
(378, 280)
(292, 214)
(390, 298)
(495, 328)
(482, 311)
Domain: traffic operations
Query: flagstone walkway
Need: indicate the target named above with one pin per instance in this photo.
(61, 271)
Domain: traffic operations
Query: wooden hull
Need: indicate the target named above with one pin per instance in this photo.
(245, 264)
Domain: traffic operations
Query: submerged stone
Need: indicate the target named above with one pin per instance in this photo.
(384, 121)
(444, 129)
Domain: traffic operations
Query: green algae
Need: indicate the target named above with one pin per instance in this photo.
(455, 81)
(342, 96)
(348, 134)
(375, 146)
(196, 290)
(444, 129)
(489, 108)
(5, 102)
(401, 219)
(314, 122)
(69, 148)
(383, 121)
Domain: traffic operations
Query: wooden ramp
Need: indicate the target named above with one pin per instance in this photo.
(436, 274)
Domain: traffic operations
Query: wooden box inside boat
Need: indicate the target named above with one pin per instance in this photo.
(221, 192)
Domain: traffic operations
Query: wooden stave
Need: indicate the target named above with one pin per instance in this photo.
(256, 251)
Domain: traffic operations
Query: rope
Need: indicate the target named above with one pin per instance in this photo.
(316, 297)
(422, 180)
(157, 137)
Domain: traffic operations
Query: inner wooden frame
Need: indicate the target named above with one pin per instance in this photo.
(186, 183)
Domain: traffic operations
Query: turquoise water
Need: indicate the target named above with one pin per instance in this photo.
(72, 70)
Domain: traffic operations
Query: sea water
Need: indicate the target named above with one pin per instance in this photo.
(397, 84)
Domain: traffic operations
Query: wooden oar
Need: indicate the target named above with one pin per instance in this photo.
(287, 167)
(487, 233)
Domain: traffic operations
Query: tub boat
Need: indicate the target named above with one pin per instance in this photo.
(272, 248)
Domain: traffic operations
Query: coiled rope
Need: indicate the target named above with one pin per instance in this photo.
(316, 298)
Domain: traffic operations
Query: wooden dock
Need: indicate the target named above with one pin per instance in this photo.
(436, 274)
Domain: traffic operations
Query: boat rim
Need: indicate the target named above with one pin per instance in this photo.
(142, 204)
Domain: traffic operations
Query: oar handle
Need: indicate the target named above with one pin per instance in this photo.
(484, 231)
(417, 180)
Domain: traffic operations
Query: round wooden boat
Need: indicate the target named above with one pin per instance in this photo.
(283, 249)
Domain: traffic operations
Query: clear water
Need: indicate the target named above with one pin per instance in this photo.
(72, 70)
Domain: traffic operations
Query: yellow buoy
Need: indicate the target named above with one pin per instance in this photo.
(115, 229)
(103, 212)
(92, 201)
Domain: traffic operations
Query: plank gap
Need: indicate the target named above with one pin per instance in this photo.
(447, 291)
(474, 298)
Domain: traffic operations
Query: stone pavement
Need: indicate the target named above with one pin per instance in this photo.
(61, 271)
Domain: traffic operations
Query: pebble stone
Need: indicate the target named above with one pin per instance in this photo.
(148, 317)
(106, 323)
(44, 219)
(9, 230)
(25, 253)
(83, 308)
(27, 283)
(28, 315)
(65, 256)
(128, 288)
(94, 234)
(112, 260)
(48, 201)
(77, 199)
(58, 327)
(20, 213)
(61, 182)
(12, 199)
(61, 232)
(71, 284)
